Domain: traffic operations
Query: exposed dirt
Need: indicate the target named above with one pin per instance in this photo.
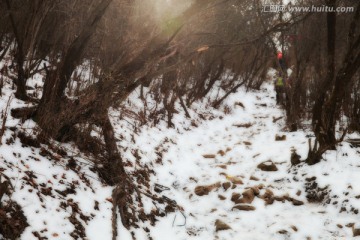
(12, 220)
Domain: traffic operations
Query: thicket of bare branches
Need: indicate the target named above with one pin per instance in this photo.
(179, 51)
(324, 53)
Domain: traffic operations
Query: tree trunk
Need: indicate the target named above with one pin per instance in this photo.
(325, 110)
(48, 114)
(323, 125)
(21, 78)
(20, 81)
(114, 168)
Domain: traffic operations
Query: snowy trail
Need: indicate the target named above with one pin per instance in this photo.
(228, 150)
(208, 168)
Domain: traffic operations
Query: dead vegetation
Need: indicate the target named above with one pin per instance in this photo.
(12, 219)
(178, 58)
(161, 61)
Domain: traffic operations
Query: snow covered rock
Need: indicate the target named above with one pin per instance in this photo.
(268, 197)
(267, 166)
(247, 196)
(235, 197)
(356, 230)
(220, 226)
(280, 137)
(244, 207)
(204, 190)
(226, 185)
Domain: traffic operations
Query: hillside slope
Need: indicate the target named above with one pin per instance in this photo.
(210, 165)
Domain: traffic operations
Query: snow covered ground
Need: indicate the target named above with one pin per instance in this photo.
(217, 155)
(229, 148)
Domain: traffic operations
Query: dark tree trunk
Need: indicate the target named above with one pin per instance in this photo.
(21, 80)
(323, 126)
(326, 109)
(114, 168)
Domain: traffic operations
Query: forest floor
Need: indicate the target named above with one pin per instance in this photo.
(229, 170)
